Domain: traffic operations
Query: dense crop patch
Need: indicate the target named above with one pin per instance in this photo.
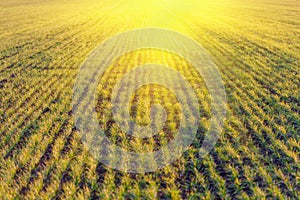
(255, 46)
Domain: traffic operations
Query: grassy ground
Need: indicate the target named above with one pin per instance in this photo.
(255, 45)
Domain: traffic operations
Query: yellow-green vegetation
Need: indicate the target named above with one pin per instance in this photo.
(255, 45)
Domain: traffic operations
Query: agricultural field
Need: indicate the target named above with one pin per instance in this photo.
(254, 44)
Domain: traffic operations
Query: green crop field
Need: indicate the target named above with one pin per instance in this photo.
(255, 45)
